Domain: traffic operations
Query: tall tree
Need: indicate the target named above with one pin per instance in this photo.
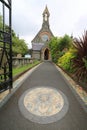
(19, 46)
(1, 23)
(59, 46)
(54, 49)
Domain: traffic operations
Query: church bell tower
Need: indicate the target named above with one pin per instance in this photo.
(40, 47)
(46, 15)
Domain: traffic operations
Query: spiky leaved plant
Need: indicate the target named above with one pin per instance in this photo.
(80, 61)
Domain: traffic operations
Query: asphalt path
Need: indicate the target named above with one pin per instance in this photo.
(45, 75)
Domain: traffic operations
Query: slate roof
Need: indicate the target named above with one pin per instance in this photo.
(37, 46)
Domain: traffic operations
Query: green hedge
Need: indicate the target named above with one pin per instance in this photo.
(66, 61)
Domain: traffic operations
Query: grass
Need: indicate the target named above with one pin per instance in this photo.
(21, 69)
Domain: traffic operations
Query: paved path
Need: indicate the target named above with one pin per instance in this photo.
(45, 75)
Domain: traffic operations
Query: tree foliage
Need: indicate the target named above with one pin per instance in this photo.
(64, 42)
(1, 23)
(59, 46)
(1, 26)
(53, 47)
(18, 45)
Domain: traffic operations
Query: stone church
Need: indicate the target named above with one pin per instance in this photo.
(40, 47)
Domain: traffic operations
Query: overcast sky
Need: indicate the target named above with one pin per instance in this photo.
(66, 17)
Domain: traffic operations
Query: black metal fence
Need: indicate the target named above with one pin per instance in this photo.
(5, 46)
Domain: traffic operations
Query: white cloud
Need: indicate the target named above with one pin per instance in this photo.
(66, 16)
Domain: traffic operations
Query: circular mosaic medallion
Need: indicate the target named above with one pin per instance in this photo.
(43, 105)
(43, 101)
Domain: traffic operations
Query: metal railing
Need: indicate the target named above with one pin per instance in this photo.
(5, 49)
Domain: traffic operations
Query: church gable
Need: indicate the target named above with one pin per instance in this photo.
(39, 37)
(40, 47)
(45, 34)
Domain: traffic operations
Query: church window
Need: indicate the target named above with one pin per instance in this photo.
(45, 37)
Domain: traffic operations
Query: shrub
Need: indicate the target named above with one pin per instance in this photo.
(54, 49)
(59, 46)
(80, 62)
(66, 61)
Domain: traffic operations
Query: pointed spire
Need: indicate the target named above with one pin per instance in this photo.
(46, 11)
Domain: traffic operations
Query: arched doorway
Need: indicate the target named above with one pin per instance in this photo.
(46, 54)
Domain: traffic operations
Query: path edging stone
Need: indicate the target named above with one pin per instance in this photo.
(17, 84)
(84, 106)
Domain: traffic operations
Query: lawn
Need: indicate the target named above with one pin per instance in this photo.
(23, 68)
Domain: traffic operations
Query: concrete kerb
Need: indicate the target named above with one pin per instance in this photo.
(66, 79)
(17, 84)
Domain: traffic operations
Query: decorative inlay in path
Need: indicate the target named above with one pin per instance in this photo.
(43, 101)
(43, 105)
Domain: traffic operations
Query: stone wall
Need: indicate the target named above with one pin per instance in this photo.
(21, 61)
(36, 55)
